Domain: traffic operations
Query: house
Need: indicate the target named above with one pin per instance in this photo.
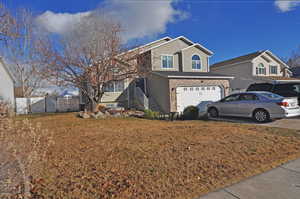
(178, 76)
(257, 67)
(6, 84)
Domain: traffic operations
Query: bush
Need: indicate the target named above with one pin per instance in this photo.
(149, 114)
(191, 113)
(23, 147)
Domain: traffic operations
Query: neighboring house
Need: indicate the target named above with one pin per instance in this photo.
(6, 84)
(178, 76)
(257, 67)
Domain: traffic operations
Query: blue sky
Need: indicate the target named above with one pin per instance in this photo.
(228, 28)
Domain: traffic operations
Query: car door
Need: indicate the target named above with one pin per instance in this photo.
(227, 106)
(247, 103)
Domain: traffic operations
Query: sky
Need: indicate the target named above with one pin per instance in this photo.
(229, 28)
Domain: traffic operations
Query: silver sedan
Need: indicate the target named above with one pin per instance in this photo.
(261, 106)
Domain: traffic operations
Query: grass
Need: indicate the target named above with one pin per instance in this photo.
(136, 158)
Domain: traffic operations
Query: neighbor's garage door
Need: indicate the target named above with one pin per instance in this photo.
(197, 96)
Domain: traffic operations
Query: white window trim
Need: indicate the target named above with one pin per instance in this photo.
(201, 63)
(271, 70)
(257, 67)
(161, 62)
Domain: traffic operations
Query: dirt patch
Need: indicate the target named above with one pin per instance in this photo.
(136, 158)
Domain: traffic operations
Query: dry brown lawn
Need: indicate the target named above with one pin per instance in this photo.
(136, 158)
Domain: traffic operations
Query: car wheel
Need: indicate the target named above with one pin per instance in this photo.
(213, 112)
(261, 116)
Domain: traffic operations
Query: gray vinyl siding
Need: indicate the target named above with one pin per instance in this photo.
(187, 60)
(158, 88)
(6, 86)
(172, 48)
(242, 73)
(259, 60)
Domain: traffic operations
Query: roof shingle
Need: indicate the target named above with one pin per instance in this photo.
(239, 59)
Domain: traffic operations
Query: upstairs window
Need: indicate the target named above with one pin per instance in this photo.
(167, 61)
(273, 70)
(261, 69)
(196, 62)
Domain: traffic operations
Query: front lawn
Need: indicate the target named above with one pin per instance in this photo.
(136, 158)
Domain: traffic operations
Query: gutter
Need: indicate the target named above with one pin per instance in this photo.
(201, 77)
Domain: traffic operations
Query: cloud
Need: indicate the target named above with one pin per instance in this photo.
(139, 19)
(286, 5)
(60, 22)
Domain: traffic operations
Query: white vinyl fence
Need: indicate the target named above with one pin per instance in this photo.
(47, 105)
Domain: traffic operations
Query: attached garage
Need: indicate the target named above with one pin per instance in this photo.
(172, 91)
(198, 96)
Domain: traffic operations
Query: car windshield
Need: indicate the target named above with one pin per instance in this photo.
(288, 90)
(271, 95)
(260, 87)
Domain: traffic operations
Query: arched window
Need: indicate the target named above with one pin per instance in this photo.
(196, 62)
(261, 69)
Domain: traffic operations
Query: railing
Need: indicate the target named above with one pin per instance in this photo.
(141, 98)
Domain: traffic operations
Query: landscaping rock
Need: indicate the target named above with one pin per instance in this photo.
(117, 115)
(84, 115)
(99, 115)
(107, 113)
(139, 114)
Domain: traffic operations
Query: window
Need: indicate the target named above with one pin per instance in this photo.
(260, 69)
(273, 70)
(167, 61)
(260, 87)
(287, 90)
(231, 98)
(271, 95)
(115, 86)
(248, 97)
(196, 62)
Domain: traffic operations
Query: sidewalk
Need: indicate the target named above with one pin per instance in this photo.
(282, 182)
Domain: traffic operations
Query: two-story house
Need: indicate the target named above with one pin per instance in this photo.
(178, 76)
(257, 67)
(6, 84)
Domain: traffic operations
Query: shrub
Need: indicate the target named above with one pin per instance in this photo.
(5, 109)
(191, 113)
(23, 147)
(149, 114)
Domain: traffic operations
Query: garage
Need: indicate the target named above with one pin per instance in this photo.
(197, 96)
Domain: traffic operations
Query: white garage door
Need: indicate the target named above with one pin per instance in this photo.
(198, 96)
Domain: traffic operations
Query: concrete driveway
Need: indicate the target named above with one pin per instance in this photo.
(280, 183)
(290, 123)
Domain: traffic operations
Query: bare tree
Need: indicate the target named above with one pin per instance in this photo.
(7, 23)
(90, 57)
(294, 60)
(21, 55)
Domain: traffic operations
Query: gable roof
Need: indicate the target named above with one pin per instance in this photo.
(243, 58)
(189, 42)
(147, 44)
(200, 47)
(276, 58)
(249, 57)
(6, 69)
